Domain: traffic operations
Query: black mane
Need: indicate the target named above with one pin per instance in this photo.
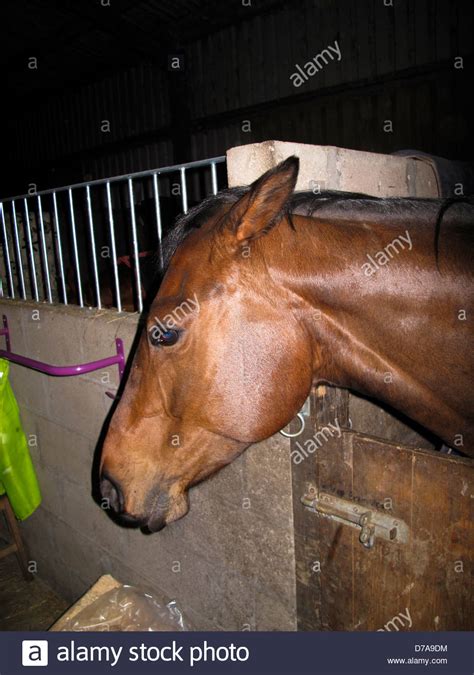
(307, 203)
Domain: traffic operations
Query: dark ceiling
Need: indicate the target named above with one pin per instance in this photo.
(77, 41)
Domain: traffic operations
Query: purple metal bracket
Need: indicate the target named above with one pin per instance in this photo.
(62, 371)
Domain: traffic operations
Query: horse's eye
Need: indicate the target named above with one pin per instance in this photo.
(164, 338)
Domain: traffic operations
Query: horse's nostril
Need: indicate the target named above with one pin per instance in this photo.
(112, 495)
(131, 521)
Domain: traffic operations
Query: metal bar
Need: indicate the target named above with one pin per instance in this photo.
(135, 246)
(31, 251)
(136, 174)
(153, 173)
(373, 523)
(94, 254)
(114, 252)
(159, 228)
(74, 244)
(121, 356)
(65, 371)
(184, 192)
(6, 255)
(60, 248)
(214, 178)
(44, 252)
(20, 276)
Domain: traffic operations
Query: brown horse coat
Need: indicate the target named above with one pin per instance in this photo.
(269, 293)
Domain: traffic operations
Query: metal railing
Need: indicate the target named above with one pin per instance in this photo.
(62, 371)
(117, 359)
(53, 241)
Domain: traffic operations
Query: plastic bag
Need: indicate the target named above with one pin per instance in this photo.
(17, 474)
(127, 608)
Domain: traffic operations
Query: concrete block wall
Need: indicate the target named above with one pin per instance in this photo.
(335, 169)
(229, 563)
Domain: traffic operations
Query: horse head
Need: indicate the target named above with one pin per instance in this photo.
(224, 360)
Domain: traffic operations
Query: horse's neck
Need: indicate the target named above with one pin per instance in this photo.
(381, 332)
(327, 274)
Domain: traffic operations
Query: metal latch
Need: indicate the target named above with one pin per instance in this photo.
(372, 522)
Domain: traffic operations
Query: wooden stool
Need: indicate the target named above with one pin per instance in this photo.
(16, 546)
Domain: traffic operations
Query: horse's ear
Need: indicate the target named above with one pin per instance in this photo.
(261, 208)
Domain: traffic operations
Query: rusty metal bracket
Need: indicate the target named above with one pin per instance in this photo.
(373, 523)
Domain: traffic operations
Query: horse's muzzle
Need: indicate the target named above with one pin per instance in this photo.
(111, 494)
(156, 523)
(114, 501)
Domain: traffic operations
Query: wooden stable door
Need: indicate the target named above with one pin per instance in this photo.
(383, 531)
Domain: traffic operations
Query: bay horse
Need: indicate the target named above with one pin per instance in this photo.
(279, 291)
(126, 281)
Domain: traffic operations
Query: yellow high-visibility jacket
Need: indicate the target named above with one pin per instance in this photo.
(17, 474)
